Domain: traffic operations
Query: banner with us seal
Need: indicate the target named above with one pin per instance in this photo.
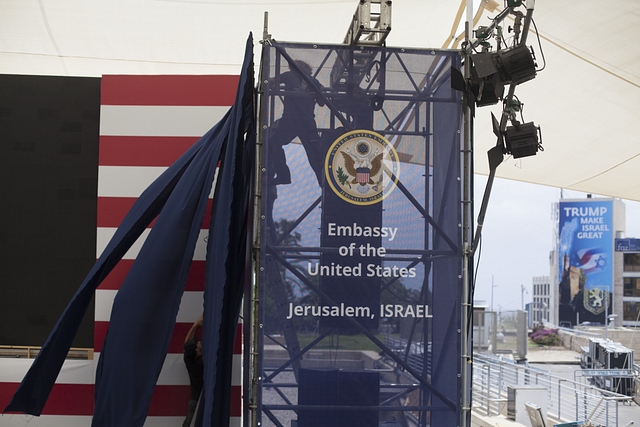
(362, 167)
(360, 249)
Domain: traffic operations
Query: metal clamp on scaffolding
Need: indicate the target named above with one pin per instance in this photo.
(371, 23)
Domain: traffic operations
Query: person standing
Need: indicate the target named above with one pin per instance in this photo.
(195, 368)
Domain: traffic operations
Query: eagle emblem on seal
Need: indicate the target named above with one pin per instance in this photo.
(363, 165)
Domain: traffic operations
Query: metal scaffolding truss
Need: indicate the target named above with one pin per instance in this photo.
(371, 23)
(403, 95)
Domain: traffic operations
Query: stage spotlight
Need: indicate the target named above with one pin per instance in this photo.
(515, 64)
(521, 140)
(491, 71)
(488, 90)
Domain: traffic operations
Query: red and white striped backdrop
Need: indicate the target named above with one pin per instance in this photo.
(146, 123)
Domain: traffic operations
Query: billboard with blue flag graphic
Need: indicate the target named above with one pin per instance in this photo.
(585, 260)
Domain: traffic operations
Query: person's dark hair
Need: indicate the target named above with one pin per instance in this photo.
(304, 67)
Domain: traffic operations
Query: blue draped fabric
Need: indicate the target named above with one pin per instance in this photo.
(228, 258)
(145, 308)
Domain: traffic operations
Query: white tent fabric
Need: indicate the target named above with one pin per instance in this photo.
(586, 99)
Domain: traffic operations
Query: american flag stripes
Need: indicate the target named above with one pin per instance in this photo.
(147, 122)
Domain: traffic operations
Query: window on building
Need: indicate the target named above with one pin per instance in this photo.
(632, 286)
(631, 310)
(631, 262)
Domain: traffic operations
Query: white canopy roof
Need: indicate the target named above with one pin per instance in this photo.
(586, 100)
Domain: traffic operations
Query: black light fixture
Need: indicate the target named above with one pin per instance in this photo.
(522, 140)
(491, 71)
(515, 64)
(511, 66)
(485, 83)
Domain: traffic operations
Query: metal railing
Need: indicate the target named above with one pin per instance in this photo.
(566, 400)
(574, 331)
(415, 356)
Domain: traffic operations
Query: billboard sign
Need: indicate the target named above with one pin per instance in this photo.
(585, 264)
(627, 245)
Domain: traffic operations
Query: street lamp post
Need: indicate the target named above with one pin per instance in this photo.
(492, 286)
(607, 318)
(523, 290)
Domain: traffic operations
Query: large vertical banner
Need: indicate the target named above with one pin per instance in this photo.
(361, 261)
(585, 264)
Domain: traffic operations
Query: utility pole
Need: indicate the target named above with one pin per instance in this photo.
(523, 290)
(492, 286)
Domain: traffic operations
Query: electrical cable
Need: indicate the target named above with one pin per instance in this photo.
(544, 60)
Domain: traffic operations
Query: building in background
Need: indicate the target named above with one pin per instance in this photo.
(630, 252)
(539, 308)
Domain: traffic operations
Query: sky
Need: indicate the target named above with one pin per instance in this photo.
(517, 237)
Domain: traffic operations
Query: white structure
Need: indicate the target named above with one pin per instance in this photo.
(542, 300)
